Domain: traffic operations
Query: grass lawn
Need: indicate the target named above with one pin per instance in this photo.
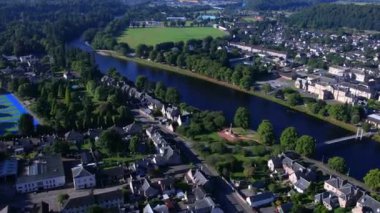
(153, 36)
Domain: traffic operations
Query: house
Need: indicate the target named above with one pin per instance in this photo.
(197, 178)
(366, 204)
(374, 120)
(167, 156)
(158, 209)
(74, 137)
(284, 208)
(142, 187)
(274, 164)
(170, 112)
(204, 205)
(261, 199)
(133, 129)
(45, 172)
(82, 178)
(301, 185)
(346, 193)
(184, 119)
(337, 70)
(108, 200)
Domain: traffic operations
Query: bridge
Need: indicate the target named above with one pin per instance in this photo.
(358, 136)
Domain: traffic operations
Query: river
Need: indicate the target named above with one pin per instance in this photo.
(360, 156)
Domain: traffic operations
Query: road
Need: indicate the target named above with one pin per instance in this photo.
(224, 194)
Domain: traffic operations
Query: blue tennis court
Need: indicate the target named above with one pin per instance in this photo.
(10, 111)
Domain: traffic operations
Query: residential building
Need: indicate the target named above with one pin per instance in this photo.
(261, 199)
(82, 178)
(45, 172)
(366, 204)
(107, 200)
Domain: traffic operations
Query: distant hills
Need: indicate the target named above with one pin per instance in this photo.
(331, 16)
(294, 4)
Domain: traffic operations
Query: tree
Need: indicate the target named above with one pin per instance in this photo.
(289, 138)
(267, 88)
(111, 141)
(218, 147)
(61, 147)
(62, 197)
(249, 171)
(372, 179)
(172, 96)
(294, 99)
(67, 96)
(266, 132)
(241, 118)
(25, 124)
(133, 143)
(338, 164)
(320, 209)
(95, 209)
(305, 145)
(141, 82)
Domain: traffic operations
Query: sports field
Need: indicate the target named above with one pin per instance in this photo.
(10, 111)
(152, 36)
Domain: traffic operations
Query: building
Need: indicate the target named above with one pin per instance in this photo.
(45, 172)
(107, 200)
(8, 168)
(337, 70)
(374, 120)
(366, 204)
(82, 178)
(262, 199)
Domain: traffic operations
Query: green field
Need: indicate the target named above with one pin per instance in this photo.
(153, 36)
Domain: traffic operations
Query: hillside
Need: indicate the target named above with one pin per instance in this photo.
(330, 16)
(282, 4)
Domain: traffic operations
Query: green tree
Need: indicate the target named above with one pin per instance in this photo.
(111, 141)
(61, 147)
(266, 132)
(172, 96)
(320, 209)
(25, 124)
(266, 88)
(241, 118)
(305, 145)
(372, 179)
(289, 138)
(338, 164)
(141, 82)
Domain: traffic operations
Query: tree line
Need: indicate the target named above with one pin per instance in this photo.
(333, 16)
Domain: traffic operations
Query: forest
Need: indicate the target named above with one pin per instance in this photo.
(282, 4)
(333, 16)
(43, 27)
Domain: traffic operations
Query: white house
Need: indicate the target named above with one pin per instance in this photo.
(46, 172)
(82, 178)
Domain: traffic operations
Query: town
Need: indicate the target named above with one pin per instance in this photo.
(78, 137)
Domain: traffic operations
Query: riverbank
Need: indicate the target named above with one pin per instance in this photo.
(262, 95)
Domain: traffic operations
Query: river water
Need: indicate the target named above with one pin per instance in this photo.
(360, 156)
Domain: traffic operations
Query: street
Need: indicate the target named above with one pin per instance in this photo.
(223, 192)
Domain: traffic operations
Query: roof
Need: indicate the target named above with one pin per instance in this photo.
(73, 136)
(80, 171)
(369, 203)
(204, 203)
(262, 196)
(374, 118)
(302, 184)
(91, 199)
(133, 128)
(43, 167)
